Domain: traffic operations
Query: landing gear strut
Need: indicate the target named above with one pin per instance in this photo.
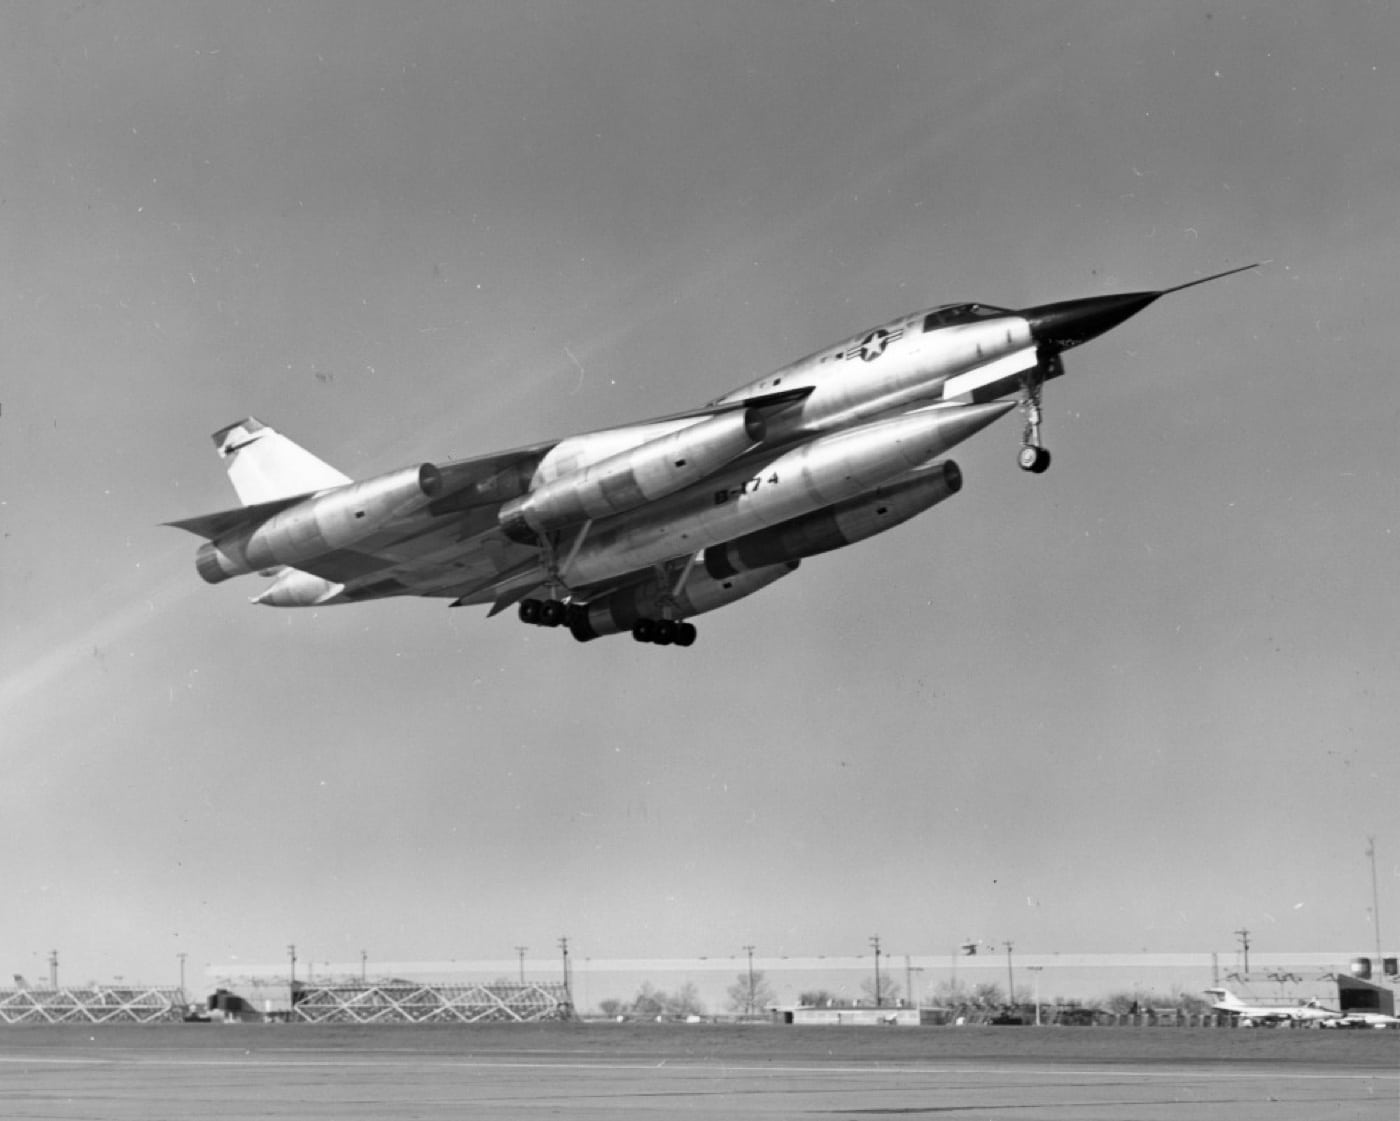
(1033, 457)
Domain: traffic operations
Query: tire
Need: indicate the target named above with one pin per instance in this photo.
(551, 613)
(1033, 459)
(530, 611)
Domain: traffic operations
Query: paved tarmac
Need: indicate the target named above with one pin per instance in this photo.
(528, 1072)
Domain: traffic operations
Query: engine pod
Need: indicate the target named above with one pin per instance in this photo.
(318, 525)
(631, 478)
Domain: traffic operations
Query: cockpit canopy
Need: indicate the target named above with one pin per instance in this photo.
(952, 315)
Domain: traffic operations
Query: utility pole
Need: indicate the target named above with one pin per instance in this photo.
(53, 970)
(1010, 977)
(1375, 895)
(182, 957)
(364, 966)
(564, 949)
(520, 950)
(292, 979)
(748, 1008)
(875, 941)
(1244, 942)
(909, 970)
(1035, 969)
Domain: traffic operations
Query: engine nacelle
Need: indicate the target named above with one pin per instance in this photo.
(327, 521)
(631, 478)
(843, 523)
(619, 612)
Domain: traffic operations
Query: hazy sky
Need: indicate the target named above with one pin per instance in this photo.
(1139, 702)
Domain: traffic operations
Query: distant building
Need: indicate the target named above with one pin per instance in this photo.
(922, 979)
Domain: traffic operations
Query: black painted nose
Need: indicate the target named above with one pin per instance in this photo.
(1069, 323)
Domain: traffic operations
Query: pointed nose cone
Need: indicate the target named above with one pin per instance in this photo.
(1069, 323)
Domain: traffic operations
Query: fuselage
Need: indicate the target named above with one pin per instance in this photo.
(863, 412)
(914, 360)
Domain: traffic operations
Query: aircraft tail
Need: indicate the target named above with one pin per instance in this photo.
(263, 465)
(1225, 996)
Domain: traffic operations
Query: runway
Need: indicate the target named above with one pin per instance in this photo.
(524, 1073)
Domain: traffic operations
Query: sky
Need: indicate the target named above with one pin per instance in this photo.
(1137, 703)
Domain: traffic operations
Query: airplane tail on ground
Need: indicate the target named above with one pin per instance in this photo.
(1225, 996)
(263, 465)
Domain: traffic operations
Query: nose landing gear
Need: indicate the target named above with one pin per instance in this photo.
(1033, 457)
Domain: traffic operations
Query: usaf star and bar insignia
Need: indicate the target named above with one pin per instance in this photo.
(873, 345)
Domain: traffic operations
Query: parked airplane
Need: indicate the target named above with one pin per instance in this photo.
(1267, 1015)
(1363, 1020)
(642, 527)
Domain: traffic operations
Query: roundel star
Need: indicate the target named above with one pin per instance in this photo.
(873, 345)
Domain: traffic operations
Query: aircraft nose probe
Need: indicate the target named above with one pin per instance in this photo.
(1070, 323)
(1066, 324)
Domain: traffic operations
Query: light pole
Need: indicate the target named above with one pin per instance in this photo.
(1010, 978)
(520, 950)
(182, 957)
(364, 966)
(875, 941)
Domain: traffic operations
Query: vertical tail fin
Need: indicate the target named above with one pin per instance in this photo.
(263, 465)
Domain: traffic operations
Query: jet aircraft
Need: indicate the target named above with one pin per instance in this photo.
(639, 528)
(1271, 1015)
(1378, 1020)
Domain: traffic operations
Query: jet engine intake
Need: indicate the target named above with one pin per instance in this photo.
(633, 477)
(322, 523)
(840, 524)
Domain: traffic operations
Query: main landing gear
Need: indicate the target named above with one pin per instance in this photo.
(555, 613)
(1033, 457)
(586, 624)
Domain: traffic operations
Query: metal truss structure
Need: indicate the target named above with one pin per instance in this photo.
(399, 1002)
(96, 1005)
